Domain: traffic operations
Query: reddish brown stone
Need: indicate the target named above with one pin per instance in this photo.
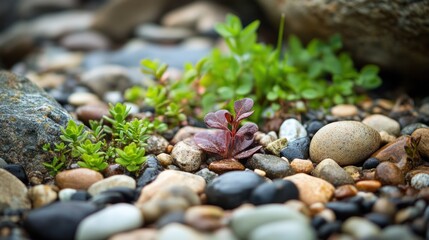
(226, 165)
(389, 174)
(92, 112)
(368, 185)
(345, 191)
(79, 178)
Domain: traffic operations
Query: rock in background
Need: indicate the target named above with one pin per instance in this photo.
(379, 32)
(29, 118)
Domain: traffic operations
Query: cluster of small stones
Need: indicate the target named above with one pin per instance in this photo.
(344, 175)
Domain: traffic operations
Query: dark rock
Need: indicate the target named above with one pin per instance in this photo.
(390, 192)
(151, 170)
(18, 171)
(409, 129)
(297, 149)
(328, 229)
(129, 194)
(370, 163)
(318, 221)
(344, 210)
(172, 217)
(80, 195)
(278, 191)
(58, 220)
(274, 166)
(382, 220)
(207, 175)
(30, 118)
(105, 198)
(232, 189)
(313, 126)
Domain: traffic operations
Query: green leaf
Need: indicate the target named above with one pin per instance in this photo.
(368, 77)
(226, 93)
(310, 93)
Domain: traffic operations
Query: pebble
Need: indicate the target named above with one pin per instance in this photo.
(207, 175)
(423, 146)
(178, 231)
(169, 178)
(18, 171)
(278, 230)
(153, 32)
(226, 165)
(152, 168)
(345, 191)
(79, 178)
(312, 189)
(276, 146)
(143, 233)
(344, 110)
(299, 148)
(66, 194)
(156, 144)
(313, 126)
(354, 172)
(330, 171)
(247, 220)
(265, 139)
(344, 210)
(409, 129)
(231, 189)
(273, 166)
(42, 195)
(94, 112)
(277, 191)
(346, 142)
(383, 123)
(420, 181)
(389, 174)
(58, 220)
(360, 228)
(164, 159)
(107, 78)
(370, 163)
(186, 132)
(13, 192)
(398, 232)
(112, 182)
(83, 98)
(329, 229)
(187, 155)
(291, 129)
(171, 217)
(381, 220)
(368, 185)
(204, 218)
(85, 41)
(302, 166)
(386, 138)
(111, 220)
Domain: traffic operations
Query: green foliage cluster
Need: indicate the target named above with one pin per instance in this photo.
(121, 141)
(300, 77)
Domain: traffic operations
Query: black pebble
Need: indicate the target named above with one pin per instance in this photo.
(382, 220)
(172, 217)
(278, 191)
(298, 148)
(318, 221)
(328, 229)
(130, 195)
(370, 163)
(313, 126)
(80, 195)
(107, 198)
(18, 171)
(344, 210)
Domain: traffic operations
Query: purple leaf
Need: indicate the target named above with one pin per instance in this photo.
(217, 120)
(248, 129)
(213, 141)
(241, 107)
(244, 115)
(247, 153)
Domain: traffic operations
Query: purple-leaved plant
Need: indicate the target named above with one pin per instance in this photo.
(229, 140)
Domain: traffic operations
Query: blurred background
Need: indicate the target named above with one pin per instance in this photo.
(51, 40)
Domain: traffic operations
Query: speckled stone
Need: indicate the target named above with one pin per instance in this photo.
(346, 142)
(382, 123)
(330, 171)
(312, 189)
(187, 155)
(13, 192)
(420, 181)
(276, 146)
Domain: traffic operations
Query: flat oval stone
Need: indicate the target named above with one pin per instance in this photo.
(383, 123)
(226, 165)
(344, 210)
(312, 189)
(111, 182)
(330, 171)
(111, 220)
(273, 166)
(79, 178)
(232, 189)
(302, 166)
(346, 142)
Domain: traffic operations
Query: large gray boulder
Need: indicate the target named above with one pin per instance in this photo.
(29, 118)
(391, 33)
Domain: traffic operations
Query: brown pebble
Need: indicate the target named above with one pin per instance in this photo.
(389, 174)
(204, 218)
(302, 166)
(226, 165)
(312, 189)
(316, 208)
(368, 185)
(385, 206)
(164, 159)
(80, 178)
(42, 195)
(423, 146)
(169, 149)
(92, 112)
(354, 172)
(345, 191)
(368, 174)
(113, 169)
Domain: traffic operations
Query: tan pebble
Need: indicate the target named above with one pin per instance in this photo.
(381, 122)
(111, 182)
(312, 189)
(260, 172)
(386, 137)
(186, 132)
(302, 166)
(344, 110)
(316, 208)
(13, 193)
(385, 206)
(389, 174)
(164, 159)
(299, 206)
(79, 178)
(327, 214)
(169, 149)
(42, 195)
(354, 172)
(423, 146)
(368, 185)
(92, 112)
(345, 191)
(143, 233)
(83, 98)
(385, 103)
(204, 218)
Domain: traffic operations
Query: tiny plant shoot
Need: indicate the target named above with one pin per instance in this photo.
(229, 140)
